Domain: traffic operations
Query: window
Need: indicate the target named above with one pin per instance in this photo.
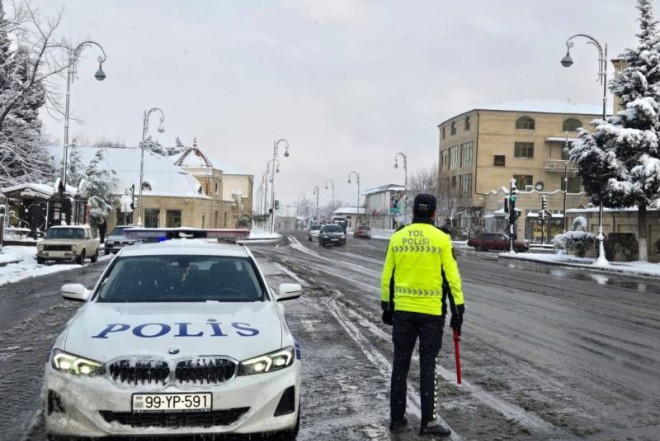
(525, 123)
(465, 186)
(467, 154)
(523, 150)
(442, 131)
(453, 128)
(445, 163)
(499, 160)
(453, 157)
(173, 218)
(523, 180)
(571, 125)
(453, 181)
(151, 217)
(574, 184)
(467, 123)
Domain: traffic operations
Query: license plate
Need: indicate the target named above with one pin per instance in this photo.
(56, 253)
(172, 402)
(334, 240)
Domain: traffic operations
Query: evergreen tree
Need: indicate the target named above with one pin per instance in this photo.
(154, 146)
(619, 162)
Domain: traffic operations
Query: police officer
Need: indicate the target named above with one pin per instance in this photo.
(418, 256)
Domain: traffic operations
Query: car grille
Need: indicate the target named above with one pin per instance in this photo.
(174, 420)
(133, 372)
(57, 247)
(199, 371)
(204, 371)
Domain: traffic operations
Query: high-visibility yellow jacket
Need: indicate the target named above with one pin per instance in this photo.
(416, 256)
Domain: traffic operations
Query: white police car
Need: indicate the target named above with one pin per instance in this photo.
(178, 337)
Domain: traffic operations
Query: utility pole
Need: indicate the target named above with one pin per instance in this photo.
(513, 193)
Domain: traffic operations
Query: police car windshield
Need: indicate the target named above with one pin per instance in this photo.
(181, 279)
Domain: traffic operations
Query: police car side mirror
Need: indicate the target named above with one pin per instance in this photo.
(76, 292)
(289, 291)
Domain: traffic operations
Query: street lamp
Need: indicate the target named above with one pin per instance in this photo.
(357, 206)
(70, 76)
(566, 149)
(332, 184)
(405, 185)
(272, 177)
(567, 61)
(145, 131)
(316, 191)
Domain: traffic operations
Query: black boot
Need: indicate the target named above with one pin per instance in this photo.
(435, 430)
(397, 425)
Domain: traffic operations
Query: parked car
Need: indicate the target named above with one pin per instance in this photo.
(332, 234)
(362, 231)
(313, 232)
(177, 338)
(70, 243)
(116, 240)
(496, 241)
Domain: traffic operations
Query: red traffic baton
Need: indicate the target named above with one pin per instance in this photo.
(457, 353)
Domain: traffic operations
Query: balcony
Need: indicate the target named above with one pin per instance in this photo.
(557, 166)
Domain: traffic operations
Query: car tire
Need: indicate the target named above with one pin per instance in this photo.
(95, 257)
(309, 238)
(81, 258)
(478, 248)
(106, 252)
(40, 261)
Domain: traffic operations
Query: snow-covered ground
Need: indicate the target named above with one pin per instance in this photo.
(18, 262)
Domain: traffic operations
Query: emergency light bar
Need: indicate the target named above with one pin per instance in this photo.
(162, 234)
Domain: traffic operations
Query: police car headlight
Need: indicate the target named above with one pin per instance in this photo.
(74, 248)
(74, 364)
(268, 362)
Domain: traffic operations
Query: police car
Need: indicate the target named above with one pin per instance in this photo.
(177, 337)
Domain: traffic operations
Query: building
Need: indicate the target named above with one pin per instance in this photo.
(484, 149)
(385, 206)
(193, 193)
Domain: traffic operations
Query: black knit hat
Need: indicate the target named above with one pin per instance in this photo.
(424, 205)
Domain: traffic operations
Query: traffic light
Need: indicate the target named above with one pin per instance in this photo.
(506, 205)
(513, 195)
(544, 203)
(540, 216)
(133, 197)
(277, 205)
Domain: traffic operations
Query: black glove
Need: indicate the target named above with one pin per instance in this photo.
(388, 317)
(457, 318)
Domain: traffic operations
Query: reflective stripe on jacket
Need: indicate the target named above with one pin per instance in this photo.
(416, 256)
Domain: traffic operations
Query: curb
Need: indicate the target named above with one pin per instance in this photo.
(601, 269)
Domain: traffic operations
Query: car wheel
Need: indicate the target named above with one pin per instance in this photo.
(81, 258)
(478, 248)
(40, 261)
(107, 252)
(95, 257)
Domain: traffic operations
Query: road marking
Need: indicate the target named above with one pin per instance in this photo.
(377, 359)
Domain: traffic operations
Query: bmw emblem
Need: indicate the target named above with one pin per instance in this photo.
(173, 351)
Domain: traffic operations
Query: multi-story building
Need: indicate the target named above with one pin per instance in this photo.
(483, 149)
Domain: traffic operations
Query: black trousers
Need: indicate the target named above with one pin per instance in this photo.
(407, 327)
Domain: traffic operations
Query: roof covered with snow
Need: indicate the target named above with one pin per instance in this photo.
(385, 188)
(348, 210)
(164, 178)
(193, 157)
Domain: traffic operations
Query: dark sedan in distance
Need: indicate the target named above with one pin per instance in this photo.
(496, 241)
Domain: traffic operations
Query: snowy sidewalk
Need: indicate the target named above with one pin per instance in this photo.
(643, 269)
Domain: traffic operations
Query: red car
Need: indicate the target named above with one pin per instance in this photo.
(496, 241)
(362, 231)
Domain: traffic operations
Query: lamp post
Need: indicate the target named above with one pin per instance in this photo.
(332, 184)
(565, 179)
(405, 185)
(297, 208)
(145, 130)
(357, 206)
(567, 61)
(272, 177)
(316, 191)
(70, 76)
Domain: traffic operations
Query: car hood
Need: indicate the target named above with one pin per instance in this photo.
(60, 241)
(104, 331)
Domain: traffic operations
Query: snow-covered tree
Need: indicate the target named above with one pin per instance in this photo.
(100, 183)
(619, 162)
(22, 156)
(155, 146)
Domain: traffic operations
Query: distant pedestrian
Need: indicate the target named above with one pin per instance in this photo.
(102, 229)
(419, 259)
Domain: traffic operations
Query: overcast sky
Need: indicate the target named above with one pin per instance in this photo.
(349, 83)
